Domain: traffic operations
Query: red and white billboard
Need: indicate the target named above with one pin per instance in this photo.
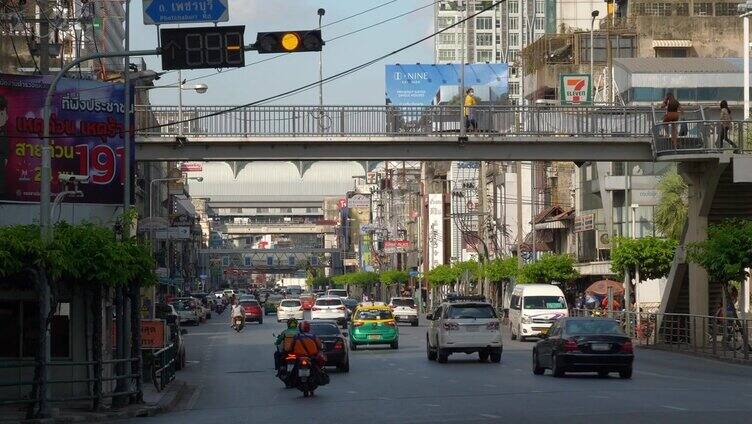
(191, 167)
(396, 246)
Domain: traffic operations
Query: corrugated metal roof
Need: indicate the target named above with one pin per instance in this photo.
(678, 65)
(670, 44)
(274, 181)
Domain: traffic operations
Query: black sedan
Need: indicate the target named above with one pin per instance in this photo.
(584, 345)
(335, 344)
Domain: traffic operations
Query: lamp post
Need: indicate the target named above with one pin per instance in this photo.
(321, 12)
(746, 10)
(594, 14)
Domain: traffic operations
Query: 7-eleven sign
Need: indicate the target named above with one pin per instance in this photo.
(575, 89)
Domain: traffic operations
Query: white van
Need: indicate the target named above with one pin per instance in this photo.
(533, 308)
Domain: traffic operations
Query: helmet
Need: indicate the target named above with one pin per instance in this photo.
(292, 323)
(304, 327)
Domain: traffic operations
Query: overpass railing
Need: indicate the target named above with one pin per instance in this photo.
(702, 136)
(291, 121)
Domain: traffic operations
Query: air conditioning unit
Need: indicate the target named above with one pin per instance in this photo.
(602, 240)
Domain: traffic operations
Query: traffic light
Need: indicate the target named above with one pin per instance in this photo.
(289, 41)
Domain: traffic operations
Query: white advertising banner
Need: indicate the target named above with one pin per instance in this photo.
(435, 230)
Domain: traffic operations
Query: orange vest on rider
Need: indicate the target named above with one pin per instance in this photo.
(305, 345)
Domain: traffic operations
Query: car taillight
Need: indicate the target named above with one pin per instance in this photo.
(305, 362)
(339, 346)
(570, 345)
(451, 326)
(357, 323)
(341, 308)
(391, 323)
(301, 308)
(290, 357)
(627, 347)
(493, 325)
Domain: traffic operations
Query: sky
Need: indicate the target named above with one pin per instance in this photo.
(254, 82)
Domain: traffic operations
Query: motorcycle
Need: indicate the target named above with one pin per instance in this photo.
(286, 368)
(238, 324)
(304, 376)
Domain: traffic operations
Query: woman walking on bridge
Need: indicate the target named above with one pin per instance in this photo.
(673, 112)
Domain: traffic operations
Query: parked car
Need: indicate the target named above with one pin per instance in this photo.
(330, 308)
(335, 344)
(373, 324)
(253, 311)
(186, 312)
(171, 316)
(533, 308)
(288, 309)
(584, 344)
(404, 310)
(196, 304)
(466, 324)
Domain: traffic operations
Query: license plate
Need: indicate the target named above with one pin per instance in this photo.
(472, 328)
(600, 347)
(374, 337)
(304, 372)
(404, 317)
(290, 367)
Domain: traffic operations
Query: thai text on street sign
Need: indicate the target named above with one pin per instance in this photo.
(159, 12)
(152, 333)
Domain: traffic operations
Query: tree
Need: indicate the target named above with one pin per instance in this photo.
(652, 255)
(471, 269)
(549, 268)
(727, 252)
(441, 275)
(391, 277)
(500, 269)
(671, 213)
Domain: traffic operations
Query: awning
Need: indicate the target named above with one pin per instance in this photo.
(670, 44)
(186, 205)
(551, 225)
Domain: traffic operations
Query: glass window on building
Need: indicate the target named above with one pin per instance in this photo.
(446, 54)
(514, 88)
(514, 7)
(262, 210)
(19, 325)
(726, 9)
(514, 24)
(540, 7)
(702, 9)
(449, 5)
(312, 210)
(444, 21)
(540, 23)
(285, 210)
(484, 22)
(681, 9)
(484, 56)
(512, 56)
(514, 39)
(484, 39)
(446, 38)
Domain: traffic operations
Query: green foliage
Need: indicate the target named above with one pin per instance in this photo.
(652, 254)
(392, 276)
(357, 279)
(727, 251)
(441, 275)
(78, 254)
(340, 280)
(671, 213)
(471, 268)
(500, 269)
(320, 281)
(549, 268)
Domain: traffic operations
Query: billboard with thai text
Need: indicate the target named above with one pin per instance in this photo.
(86, 135)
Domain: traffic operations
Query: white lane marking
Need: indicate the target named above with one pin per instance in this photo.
(599, 397)
(676, 408)
(432, 405)
(352, 392)
(192, 362)
(494, 417)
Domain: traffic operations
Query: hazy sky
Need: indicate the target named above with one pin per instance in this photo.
(262, 80)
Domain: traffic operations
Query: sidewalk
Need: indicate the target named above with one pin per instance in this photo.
(154, 403)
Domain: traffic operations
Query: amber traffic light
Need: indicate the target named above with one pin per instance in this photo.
(289, 41)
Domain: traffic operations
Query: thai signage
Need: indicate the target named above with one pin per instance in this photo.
(584, 223)
(396, 246)
(87, 137)
(153, 334)
(575, 89)
(435, 230)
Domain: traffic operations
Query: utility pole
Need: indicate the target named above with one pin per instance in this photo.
(482, 218)
(519, 214)
(464, 39)
(44, 37)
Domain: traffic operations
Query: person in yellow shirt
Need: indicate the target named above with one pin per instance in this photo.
(470, 123)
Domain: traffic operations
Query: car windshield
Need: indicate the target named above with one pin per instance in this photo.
(290, 303)
(403, 302)
(249, 303)
(181, 306)
(470, 311)
(325, 329)
(340, 293)
(544, 302)
(367, 314)
(275, 297)
(328, 302)
(594, 326)
(350, 303)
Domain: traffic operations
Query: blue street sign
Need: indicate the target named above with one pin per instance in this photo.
(158, 12)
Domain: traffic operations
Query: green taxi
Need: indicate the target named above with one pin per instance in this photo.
(373, 325)
(272, 303)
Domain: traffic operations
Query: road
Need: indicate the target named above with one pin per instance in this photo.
(234, 376)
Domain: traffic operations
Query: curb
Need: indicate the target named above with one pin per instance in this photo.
(175, 393)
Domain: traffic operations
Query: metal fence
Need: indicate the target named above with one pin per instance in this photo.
(702, 136)
(717, 337)
(96, 387)
(223, 121)
(163, 366)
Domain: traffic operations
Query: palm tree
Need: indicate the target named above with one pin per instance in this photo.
(671, 213)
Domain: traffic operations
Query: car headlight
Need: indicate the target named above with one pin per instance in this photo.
(526, 320)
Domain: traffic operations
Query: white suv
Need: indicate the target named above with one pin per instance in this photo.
(288, 309)
(330, 308)
(464, 324)
(404, 310)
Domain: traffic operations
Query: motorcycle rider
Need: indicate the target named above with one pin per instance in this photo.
(282, 347)
(307, 344)
(237, 311)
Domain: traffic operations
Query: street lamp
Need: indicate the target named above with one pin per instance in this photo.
(321, 12)
(198, 88)
(594, 14)
(746, 10)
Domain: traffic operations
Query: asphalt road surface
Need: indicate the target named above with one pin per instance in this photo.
(235, 383)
